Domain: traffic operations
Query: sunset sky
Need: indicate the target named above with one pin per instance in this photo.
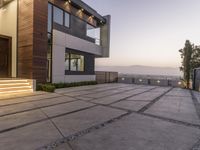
(149, 32)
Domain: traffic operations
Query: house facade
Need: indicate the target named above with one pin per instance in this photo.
(51, 40)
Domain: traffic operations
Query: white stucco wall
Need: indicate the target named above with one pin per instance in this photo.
(67, 40)
(60, 42)
(8, 27)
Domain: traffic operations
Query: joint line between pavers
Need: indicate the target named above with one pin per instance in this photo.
(45, 119)
(103, 96)
(52, 122)
(132, 96)
(196, 146)
(134, 88)
(170, 120)
(74, 136)
(143, 109)
(92, 91)
(36, 108)
(31, 101)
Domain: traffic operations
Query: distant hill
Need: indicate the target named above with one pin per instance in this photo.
(143, 70)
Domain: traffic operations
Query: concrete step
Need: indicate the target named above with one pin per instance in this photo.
(3, 85)
(16, 91)
(13, 86)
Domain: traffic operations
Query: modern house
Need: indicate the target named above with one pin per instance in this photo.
(51, 40)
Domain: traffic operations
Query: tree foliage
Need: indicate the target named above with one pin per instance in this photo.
(190, 55)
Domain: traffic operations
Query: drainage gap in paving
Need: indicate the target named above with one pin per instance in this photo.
(172, 120)
(196, 146)
(143, 109)
(81, 133)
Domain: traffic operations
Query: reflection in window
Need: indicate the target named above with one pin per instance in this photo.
(67, 61)
(58, 15)
(77, 62)
(74, 62)
(49, 17)
(94, 33)
(67, 19)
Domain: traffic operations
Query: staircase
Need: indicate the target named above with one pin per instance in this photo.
(16, 86)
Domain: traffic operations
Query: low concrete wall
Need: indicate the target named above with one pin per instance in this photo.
(125, 80)
(142, 81)
(159, 82)
(147, 81)
(106, 77)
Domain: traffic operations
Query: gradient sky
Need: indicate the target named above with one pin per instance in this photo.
(149, 32)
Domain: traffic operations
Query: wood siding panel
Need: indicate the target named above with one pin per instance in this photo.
(25, 38)
(40, 40)
(32, 39)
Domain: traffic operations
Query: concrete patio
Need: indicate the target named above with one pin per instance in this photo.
(102, 117)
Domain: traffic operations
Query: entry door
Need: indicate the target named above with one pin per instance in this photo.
(5, 56)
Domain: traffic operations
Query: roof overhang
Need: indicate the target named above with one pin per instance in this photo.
(87, 9)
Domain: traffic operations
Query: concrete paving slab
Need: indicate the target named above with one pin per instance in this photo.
(84, 98)
(147, 87)
(43, 96)
(28, 98)
(16, 108)
(65, 108)
(117, 97)
(179, 92)
(101, 94)
(29, 137)
(161, 89)
(147, 96)
(130, 105)
(64, 146)
(52, 101)
(78, 121)
(175, 108)
(15, 120)
(110, 88)
(78, 93)
(137, 132)
(197, 95)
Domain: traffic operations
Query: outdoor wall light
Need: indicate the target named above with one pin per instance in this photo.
(123, 79)
(179, 83)
(158, 81)
(140, 80)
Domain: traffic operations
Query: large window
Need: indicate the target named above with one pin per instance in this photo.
(74, 62)
(58, 15)
(61, 17)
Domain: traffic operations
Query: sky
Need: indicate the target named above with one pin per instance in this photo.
(149, 32)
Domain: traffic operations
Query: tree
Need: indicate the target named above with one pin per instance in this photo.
(186, 55)
(195, 58)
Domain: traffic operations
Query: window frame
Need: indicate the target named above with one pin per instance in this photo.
(65, 19)
(69, 65)
(63, 15)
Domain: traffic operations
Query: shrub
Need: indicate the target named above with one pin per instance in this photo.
(51, 87)
(48, 88)
(45, 87)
